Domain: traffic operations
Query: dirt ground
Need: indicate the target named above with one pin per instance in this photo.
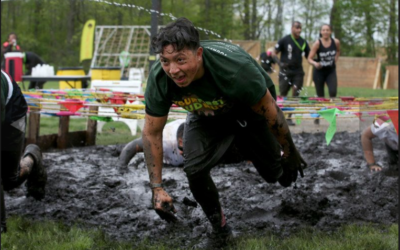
(84, 185)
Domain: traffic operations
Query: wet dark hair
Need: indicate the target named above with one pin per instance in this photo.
(325, 24)
(295, 22)
(180, 34)
(179, 132)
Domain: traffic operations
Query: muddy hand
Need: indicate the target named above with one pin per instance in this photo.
(162, 204)
(294, 162)
(291, 165)
(375, 168)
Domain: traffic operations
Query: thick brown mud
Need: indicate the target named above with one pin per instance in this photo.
(84, 186)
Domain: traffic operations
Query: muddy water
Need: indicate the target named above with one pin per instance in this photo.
(85, 186)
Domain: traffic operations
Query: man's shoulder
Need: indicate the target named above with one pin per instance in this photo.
(224, 59)
(157, 82)
(221, 48)
(156, 72)
(286, 38)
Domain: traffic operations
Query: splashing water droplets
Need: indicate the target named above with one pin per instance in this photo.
(150, 11)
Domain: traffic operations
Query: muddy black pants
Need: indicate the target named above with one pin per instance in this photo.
(12, 143)
(289, 79)
(328, 76)
(393, 155)
(206, 141)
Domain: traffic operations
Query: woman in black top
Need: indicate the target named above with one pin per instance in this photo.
(327, 50)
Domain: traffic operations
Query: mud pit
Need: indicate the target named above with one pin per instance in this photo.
(337, 189)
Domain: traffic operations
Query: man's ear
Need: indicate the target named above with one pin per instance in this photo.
(199, 53)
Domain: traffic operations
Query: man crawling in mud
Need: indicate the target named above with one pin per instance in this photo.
(172, 146)
(14, 168)
(231, 99)
(386, 132)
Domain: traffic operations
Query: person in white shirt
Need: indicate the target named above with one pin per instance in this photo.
(172, 143)
(387, 133)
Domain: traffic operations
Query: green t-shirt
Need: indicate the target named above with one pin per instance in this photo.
(232, 80)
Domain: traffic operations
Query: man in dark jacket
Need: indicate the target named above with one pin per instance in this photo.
(14, 169)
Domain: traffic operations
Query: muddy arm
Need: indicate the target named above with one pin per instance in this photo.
(276, 121)
(129, 151)
(366, 142)
(153, 147)
(153, 152)
(278, 126)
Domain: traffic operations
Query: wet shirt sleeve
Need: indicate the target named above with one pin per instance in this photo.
(279, 45)
(156, 95)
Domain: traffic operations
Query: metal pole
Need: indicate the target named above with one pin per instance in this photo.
(155, 5)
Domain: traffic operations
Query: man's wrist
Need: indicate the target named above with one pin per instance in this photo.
(155, 185)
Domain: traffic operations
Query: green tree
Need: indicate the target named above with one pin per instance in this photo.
(392, 37)
(361, 25)
(312, 13)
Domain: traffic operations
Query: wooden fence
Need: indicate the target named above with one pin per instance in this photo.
(391, 77)
(359, 72)
(250, 46)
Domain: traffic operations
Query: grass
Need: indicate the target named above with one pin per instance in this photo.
(48, 235)
(350, 237)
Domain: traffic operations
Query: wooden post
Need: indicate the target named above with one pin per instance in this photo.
(309, 76)
(377, 75)
(91, 128)
(385, 84)
(34, 128)
(62, 139)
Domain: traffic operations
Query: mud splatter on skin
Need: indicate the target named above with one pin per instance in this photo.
(337, 189)
(276, 121)
(152, 143)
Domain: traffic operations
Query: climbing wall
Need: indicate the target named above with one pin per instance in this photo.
(110, 41)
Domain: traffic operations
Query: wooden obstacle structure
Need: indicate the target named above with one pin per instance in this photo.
(359, 72)
(250, 46)
(391, 77)
(63, 139)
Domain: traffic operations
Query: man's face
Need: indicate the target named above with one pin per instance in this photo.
(296, 30)
(11, 38)
(184, 66)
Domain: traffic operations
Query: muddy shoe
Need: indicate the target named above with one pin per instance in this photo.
(38, 177)
(217, 239)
